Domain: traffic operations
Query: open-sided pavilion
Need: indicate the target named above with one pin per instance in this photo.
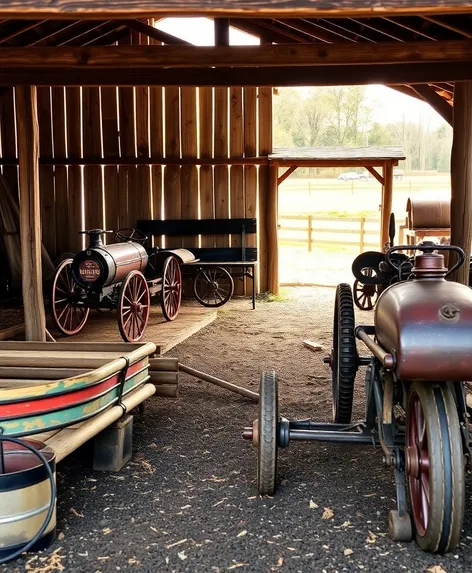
(138, 124)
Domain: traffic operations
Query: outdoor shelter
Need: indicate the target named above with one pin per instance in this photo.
(134, 142)
(372, 158)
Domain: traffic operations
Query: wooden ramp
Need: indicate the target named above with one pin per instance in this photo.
(103, 327)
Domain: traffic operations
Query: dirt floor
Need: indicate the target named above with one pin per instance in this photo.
(187, 501)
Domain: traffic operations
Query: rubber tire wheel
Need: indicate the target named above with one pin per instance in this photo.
(446, 467)
(268, 428)
(399, 528)
(344, 355)
(227, 276)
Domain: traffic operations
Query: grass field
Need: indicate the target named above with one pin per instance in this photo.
(331, 198)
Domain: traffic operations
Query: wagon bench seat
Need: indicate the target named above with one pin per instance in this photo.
(242, 260)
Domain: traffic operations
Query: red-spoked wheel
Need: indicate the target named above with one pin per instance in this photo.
(67, 308)
(133, 307)
(365, 295)
(435, 467)
(171, 295)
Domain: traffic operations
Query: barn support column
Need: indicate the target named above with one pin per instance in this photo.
(272, 239)
(30, 219)
(386, 206)
(461, 176)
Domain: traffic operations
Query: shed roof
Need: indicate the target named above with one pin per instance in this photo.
(341, 155)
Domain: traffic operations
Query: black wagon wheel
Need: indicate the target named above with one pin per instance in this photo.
(133, 307)
(343, 359)
(365, 295)
(213, 286)
(435, 467)
(171, 295)
(68, 315)
(267, 428)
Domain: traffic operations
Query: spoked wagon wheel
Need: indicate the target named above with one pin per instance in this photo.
(266, 429)
(435, 467)
(343, 359)
(69, 317)
(365, 296)
(171, 288)
(133, 307)
(213, 286)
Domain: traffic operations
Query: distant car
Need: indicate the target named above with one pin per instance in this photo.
(398, 174)
(348, 176)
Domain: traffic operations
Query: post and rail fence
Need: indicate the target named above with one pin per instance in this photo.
(363, 232)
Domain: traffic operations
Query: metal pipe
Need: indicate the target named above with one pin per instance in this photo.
(385, 358)
(330, 436)
(222, 383)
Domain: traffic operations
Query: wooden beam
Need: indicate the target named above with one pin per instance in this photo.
(272, 238)
(154, 33)
(376, 174)
(268, 55)
(449, 26)
(386, 209)
(143, 160)
(407, 90)
(221, 32)
(287, 173)
(437, 102)
(30, 218)
(18, 31)
(246, 77)
(68, 9)
(461, 177)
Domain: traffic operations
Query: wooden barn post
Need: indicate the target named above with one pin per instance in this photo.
(272, 239)
(386, 208)
(461, 177)
(30, 214)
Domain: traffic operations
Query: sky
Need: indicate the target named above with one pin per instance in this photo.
(389, 105)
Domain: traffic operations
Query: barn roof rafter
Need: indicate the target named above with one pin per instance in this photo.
(397, 24)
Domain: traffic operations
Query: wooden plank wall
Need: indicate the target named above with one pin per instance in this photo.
(139, 122)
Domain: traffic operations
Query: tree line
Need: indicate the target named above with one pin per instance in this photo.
(342, 116)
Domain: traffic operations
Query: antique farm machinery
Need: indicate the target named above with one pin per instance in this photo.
(122, 276)
(415, 398)
(373, 274)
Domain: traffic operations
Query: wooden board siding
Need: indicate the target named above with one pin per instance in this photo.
(75, 149)
(221, 184)
(111, 147)
(250, 171)
(143, 124)
(189, 173)
(46, 172)
(172, 194)
(127, 173)
(93, 180)
(60, 171)
(8, 139)
(207, 207)
(236, 149)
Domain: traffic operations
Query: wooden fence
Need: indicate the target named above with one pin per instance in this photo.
(348, 231)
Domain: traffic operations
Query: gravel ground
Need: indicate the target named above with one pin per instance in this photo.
(187, 501)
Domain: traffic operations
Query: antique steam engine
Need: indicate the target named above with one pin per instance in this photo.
(122, 276)
(420, 358)
(103, 265)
